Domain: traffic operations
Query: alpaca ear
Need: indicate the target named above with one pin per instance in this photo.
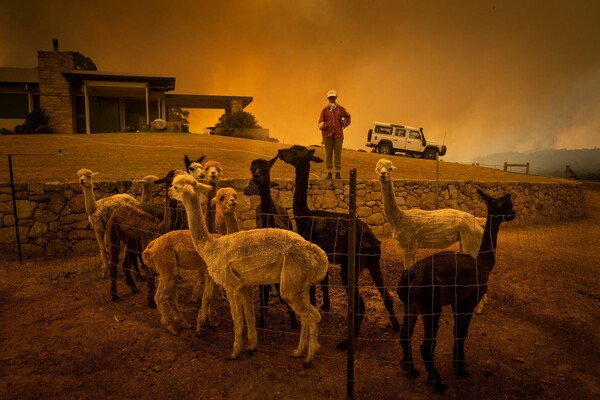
(214, 201)
(316, 159)
(202, 187)
(251, 189)
(95, 174)
(200, 159)
(393, 168)
(272, 161)
(485, 196)
(187, 161)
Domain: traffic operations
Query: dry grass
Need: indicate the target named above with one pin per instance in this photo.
(134, 155)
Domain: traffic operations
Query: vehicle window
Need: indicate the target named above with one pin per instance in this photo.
(400, 132)
(387, 130)
(414, 135)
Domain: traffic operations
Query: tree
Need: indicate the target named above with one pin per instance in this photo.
(83, 63)
(237, 120)
(179, 115)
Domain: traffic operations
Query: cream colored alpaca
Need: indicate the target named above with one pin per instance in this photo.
(244, 259)
(100, 211)
(431, 229)
(173, 251)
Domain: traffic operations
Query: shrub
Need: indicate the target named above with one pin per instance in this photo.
(35, 122)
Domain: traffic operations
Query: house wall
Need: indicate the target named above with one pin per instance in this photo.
(52, 217)
(55, 93)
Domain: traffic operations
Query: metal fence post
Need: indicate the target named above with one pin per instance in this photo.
(351, 285)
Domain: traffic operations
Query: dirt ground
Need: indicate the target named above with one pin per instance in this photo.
(62, 338)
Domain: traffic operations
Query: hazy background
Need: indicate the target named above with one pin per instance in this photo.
(483, 76)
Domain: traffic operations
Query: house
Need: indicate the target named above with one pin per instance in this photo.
(85, 101)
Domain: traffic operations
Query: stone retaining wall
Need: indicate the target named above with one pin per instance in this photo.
(52, 218)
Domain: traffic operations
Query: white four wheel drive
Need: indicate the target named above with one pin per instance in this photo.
(386, 138)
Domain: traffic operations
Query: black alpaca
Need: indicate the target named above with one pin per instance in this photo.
(448, 278)
(269, 214)
(329, 230)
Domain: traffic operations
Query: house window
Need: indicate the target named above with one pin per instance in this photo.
(14, 105)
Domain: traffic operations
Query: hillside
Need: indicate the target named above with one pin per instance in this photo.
(134, 155)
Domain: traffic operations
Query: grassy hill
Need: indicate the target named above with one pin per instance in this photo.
(134, 155)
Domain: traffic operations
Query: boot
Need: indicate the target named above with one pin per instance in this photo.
(338, 176)
(328, 176)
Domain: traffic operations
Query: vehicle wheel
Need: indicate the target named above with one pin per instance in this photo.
(385, 148)
(429, 154)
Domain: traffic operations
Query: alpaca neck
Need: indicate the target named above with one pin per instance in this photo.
(390, 207)
(210, 209)
(193, 209)
(146, 194)
(301, 190)
(266, 205)
(90, 199)
(231, 222)
(168, 222)
(487, 251)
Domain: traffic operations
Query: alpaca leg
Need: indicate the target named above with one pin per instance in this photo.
(114, 260)
(103, 254)
(263, 293)
(207, 312)
(127, 260)
(314, 318)
(360, 307)
(248, 307)
(377, 276)
(197, 292)
(326, 306)
(235, 305)
(291, 313)
(162, 303)
(431, 324)
(479, 308)
(410, 257)
(462, 320)
(408, 328)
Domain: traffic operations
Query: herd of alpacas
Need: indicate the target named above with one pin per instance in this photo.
(196, 228)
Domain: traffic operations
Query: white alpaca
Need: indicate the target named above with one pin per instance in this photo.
(173, 251)
(432, 229)
(435, 229)
(257, 257)
(100, 211)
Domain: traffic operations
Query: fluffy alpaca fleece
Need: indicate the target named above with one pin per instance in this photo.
(256, 257)
(417, 228)
(448, 278)
(329, 230)
(173, 251)
(100, 211)
(146, 203)
(136, 228)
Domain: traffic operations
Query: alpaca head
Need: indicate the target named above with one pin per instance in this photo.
(226, 199)
(298, 155)
(186, 183)
(168, 179)
(384, 169)
(501, 207)
(85, 177)
(195, 167)
(147, 179)
(261, 170)
(212, 172)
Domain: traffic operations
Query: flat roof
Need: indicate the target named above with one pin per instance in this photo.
(204, 101)
(18, 75)
(155, 82)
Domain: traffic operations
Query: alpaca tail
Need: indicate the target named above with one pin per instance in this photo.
(320, 260)
(148, 256)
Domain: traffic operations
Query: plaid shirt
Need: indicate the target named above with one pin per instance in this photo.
(335, 121)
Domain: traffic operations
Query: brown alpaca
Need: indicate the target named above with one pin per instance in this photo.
(173, 251)
(449, 278)
(212, 173)
(135, 228)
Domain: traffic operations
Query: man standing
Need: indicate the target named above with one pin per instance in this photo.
(334, 118)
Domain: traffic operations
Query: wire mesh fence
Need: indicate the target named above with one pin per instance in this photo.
(536, 336)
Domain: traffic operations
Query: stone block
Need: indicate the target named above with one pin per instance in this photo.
(77, 203)
(32, 251)
(57, 203)
(25, 208)
(36, 188)
(8, 235)
(38, 229)
(80, 234)
(58, 247)
(45, 216)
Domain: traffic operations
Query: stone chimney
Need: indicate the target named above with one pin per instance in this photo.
(55, 91)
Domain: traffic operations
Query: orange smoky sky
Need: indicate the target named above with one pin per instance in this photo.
(483, 76)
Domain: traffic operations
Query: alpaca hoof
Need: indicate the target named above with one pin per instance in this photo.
(233, 356)
(116, 299)
(410, 370)
(325, 307)
(250, 352)
(343, 345)
(308, 363)
(461, 372)
(172, 330)
(297, 353)
(294, 326)
(262, 324)
(135, 290)
(438, 386)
